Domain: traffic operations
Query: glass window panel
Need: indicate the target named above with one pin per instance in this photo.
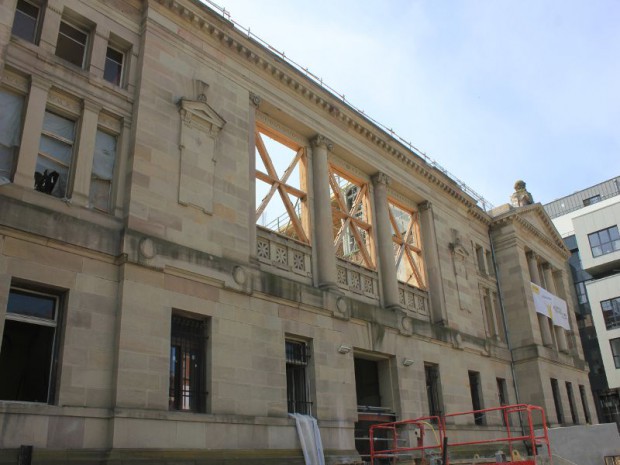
(596, 251)
(607, 248)
(58, 125)
(43, 164)
(25, 22)
(57, 150)
(614, 234)
(604, 236)
(71, 44)
(10, 132)
(26, 303)
(594, 239)
(105, 156)
(113, 66)
(100, 194)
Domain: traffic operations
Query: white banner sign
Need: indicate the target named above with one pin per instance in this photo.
(551, 306)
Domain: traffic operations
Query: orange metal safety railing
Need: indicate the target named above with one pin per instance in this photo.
(399, 435)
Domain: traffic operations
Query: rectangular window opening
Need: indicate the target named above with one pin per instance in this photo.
(557, 401)
(188, 352)
(604, 241)
(27, 21)
(114, 62)
(297, 388)
(591, 200)
(374, 401)
(615, 351)
(611, 312)
(55, 157)
(10, 133)
(30, 345)
(571, 403)
(475, 388)
(433, 390)
(104, 161)
(502, 395)
(584, 404)
(72, 44)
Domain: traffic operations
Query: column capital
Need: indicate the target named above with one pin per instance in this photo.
(381, 178)
(531, 255)
(255, 99)
(322, 141)
(40, 83)
(89, 105)
(426, 205)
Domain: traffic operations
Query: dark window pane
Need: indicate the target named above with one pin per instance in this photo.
(25, 22)
(24, 303)
(113, 66)
(71, 44)
(25, 361)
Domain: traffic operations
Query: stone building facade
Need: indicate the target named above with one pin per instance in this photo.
(197, 239)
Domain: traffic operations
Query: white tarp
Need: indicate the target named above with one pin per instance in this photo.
(551, 306)
(10, 132)
(310, 438)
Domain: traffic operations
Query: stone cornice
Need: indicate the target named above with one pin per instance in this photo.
(268, 63)
(515, 216)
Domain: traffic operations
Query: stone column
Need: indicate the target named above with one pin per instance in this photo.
(100, 39)
(323, 227)
(51, 24)
(122, 151)
(85, 154)
(560, 333)
(255, 101)
(385, 249)
(433, 267)
(545, 331)
(31, 135)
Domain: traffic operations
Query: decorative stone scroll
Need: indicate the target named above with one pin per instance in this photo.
(200, 126)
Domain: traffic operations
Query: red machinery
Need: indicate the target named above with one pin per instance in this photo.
(397, 433)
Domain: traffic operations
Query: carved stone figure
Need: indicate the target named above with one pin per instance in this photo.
(521, 195)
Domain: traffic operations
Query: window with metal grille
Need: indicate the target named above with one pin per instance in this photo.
(297, 391)
(187, 364)
(433, 389)
(476, 396)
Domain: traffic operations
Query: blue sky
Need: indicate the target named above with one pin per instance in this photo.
(493, 90)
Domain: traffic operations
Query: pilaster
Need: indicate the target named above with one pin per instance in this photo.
(324, 241)
(433, 267)
(385, 247)
(86, 150)
(543, 323)
(31, 134)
